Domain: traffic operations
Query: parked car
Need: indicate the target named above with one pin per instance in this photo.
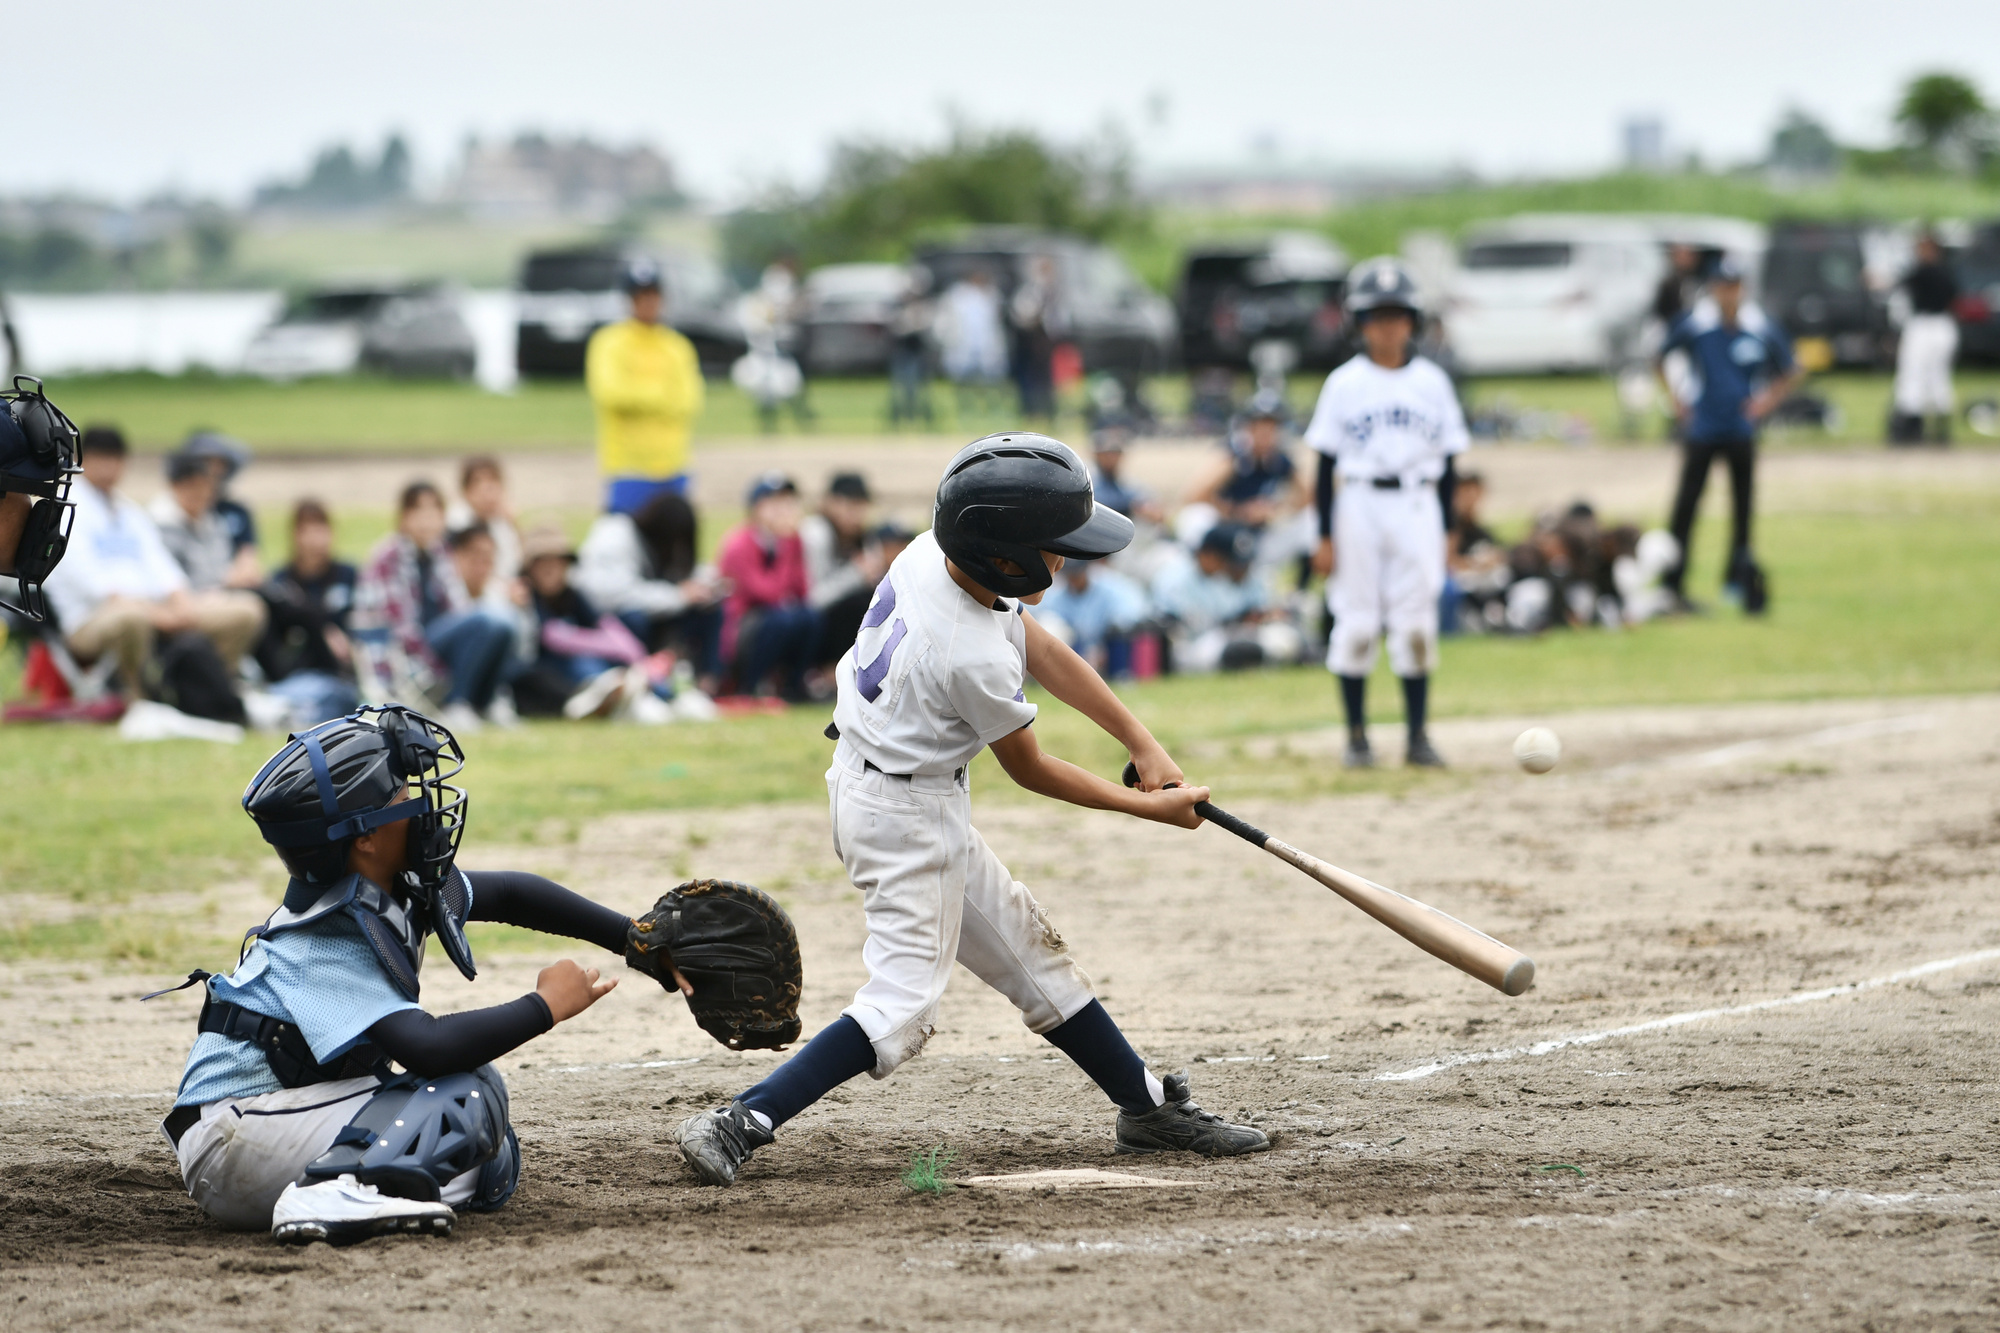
(1116, 322)
(404, 330)
(566, 295)
(1816, 285)
(1286, 288)
(844, 329)
(1551, 293)
(1978, 307)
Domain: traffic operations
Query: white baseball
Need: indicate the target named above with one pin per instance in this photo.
(1537, 749)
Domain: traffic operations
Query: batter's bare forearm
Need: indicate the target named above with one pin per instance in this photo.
(1058, 669)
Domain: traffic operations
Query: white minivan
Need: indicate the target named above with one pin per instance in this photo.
(1551, 292)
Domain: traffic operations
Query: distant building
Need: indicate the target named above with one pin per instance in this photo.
(536, 176)
(1645, 140)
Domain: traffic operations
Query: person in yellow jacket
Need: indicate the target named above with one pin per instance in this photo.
(645, 382)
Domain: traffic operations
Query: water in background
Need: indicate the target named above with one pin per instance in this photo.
(173, 332)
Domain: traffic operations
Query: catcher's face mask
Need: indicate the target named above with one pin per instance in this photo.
(45, 472)
(426, 756)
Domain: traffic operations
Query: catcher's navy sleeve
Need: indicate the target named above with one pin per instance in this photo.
(428, 1045)
(515, 898)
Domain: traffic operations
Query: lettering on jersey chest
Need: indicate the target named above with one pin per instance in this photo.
(1398, 418)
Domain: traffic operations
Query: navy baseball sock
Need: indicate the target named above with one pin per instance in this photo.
(1354, 699)
(1090, 1038)
(840, 1052)
(1416, 698)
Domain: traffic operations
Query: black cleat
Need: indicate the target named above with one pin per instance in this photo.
(717, 1142)
(1181, 1126)
(1422, 754)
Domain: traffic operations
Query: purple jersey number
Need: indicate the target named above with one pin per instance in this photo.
(868, 679)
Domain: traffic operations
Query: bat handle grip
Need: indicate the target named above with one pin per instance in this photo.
(1212, 812)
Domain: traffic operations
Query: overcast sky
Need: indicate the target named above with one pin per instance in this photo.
(212, 96)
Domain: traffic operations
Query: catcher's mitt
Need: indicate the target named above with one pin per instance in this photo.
(737, 948)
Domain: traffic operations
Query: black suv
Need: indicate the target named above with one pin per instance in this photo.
(566, 295)
(1285, 289)
(1815, 286)
(1115, 321)
(1978, 306)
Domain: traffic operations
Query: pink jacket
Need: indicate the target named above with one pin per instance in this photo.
(760, 575)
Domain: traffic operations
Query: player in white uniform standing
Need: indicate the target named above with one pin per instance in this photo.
(935, 676)
(1387, 426)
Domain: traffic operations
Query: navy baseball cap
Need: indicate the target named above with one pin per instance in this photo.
(1727, 269)
(1234, 542)
(642, 275)
(771, 483)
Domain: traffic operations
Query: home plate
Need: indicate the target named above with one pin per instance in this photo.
(1082, 1178)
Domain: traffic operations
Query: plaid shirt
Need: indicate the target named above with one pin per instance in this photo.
(390, 597)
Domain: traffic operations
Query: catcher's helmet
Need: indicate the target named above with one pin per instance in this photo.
(37, 459)
(1013, 496)
(1382, 283)
(340, 779)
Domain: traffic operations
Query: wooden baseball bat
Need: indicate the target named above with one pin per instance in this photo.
(1472, 952)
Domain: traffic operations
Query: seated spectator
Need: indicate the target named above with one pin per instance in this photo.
(1108, 442)
(195, 534)
(118, 588)
(1257, 483)
(305, 653)
(890, 539)
(411, 606)
(1476, 571)
(642, 567)
(587, 663)
(1092, 607)
(842, 564)
(228, 456)
(1220, 616)
(768, 625)
(482, 489)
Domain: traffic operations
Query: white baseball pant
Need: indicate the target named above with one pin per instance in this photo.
(1923, 364)
(933, 893)
(1388, 574)
(237, 1159)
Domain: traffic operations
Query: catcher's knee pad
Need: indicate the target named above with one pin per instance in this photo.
(415, 1135)
(497, 1179)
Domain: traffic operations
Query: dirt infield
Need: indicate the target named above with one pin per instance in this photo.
(1827, 1163)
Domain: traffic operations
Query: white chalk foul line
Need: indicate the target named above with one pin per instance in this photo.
(1681, 1020)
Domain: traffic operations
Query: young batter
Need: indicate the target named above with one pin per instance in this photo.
(1388, 424)
(936, 675)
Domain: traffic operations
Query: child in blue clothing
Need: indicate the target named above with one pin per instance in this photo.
(290, 1114)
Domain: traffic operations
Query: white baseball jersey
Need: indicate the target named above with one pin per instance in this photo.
(1388, 423)
(933, 677)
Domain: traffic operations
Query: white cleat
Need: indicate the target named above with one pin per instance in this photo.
(343, 1211)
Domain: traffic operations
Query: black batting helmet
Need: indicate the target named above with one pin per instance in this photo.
(38, 458)
(1013, 496)
(1382, 283)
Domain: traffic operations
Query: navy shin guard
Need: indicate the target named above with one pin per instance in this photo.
(416, 1135)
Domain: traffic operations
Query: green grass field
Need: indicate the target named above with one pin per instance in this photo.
(378, 416)
(1874, 605)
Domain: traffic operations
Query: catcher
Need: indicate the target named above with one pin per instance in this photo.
(291, 1114)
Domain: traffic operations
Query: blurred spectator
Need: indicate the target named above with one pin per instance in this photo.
(482, 490)
(587, 663)
(1221, 615)
(972, 339)
(1929, 341)
(1036, 323)
(771, 372)
(305, 654)
(228, 456)
(646, 384)
(1257, 482)
(842, 564)
(1476, 570)
(195, 534)
(1092, 608)
(1108, 443)
(768, 624)
(411, 605)
(643, 568)
(118, 588)
(910, 352)
(1212, 403)
(1744, 366)
(1679, 286)
(891, 539)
